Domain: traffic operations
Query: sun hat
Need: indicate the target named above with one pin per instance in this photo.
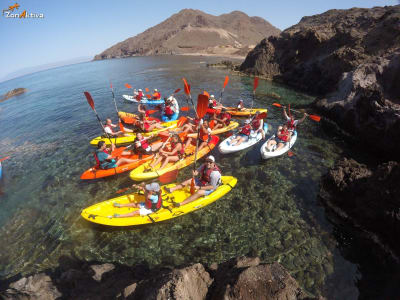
(155, 90)
(153, 187)
(140, 90)
(210, 158)
(212, 97)
(247, 121)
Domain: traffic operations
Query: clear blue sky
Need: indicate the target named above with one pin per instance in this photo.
(74, 28)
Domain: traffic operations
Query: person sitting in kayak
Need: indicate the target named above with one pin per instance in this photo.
(240, 106)
(243, 134)
(177, 153)
(210, 179)
(258, 125)
(168, 109)
(108, 129)
(105, 161)
(174, 103)
(143, 109)
(282, 137)
(147, 125)
(156, 95)
(223, 119)
(191, 125)
(142, 145)
(139, 95)
(205, 135)
(152, 201)
(291, 122)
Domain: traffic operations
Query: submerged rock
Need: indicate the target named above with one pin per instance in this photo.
(14, 92)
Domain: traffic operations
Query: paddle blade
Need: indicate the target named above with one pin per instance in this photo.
(110, 85)
(202, 105)
(226, 81)
(255, 85)
(89, 99)
(128, 86)
(276, 104)
(315, 118)
(207, 94)
(123, 190)
(152, 111)
(211, 124)
(169, 176)
(117, 152)
(192, 186)
(177, 91)
(146, 89)
(185, 108)
(148, 96)
(262, 116)
(121, 127)
(4, 158)
(186, 87)
(181, 121)
(290, 153)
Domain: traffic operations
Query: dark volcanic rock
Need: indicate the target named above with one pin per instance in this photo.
(193, 31)
(14, 92)
(368, 199)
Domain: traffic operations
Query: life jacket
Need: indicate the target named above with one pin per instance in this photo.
(98, 162)
(204, 136)
(246, 129)
(168, 111)
(139, 96)
(144, 143)
(283, 135)
(256, 124)
(228, 118)
(180, 152)
(109, 126)
(157, 96)
(151, 205)
(196, 121)
(205, 172)
(290, 124)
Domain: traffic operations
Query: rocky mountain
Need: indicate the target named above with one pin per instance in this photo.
(193, 31)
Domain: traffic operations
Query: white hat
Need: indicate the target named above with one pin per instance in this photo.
(209, 130)
(140, 90)
(211, 158)
(153, 187)
(170, 98)
(247, 121)
(212, 97)
(155, 90)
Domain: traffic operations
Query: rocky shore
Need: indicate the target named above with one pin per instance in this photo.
(14, 92)
(240, 278)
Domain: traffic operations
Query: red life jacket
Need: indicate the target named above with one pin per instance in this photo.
(97, 159)
(196, 121)
(157, 96)
(290, 124)
(203, 134)
(144, 143)
(206, 172)
(168, 111)
(246, 129)
(283, 135)
(147, 114)
(180, 152)
(151, 205)
(109, 126)
(139, 96)
(228, 118)
(256, 124)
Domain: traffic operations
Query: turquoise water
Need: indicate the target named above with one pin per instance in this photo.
(272, 212)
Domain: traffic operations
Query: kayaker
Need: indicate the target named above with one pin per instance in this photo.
(223, 119)
(205, 135)
(191, 125)
(210, 178)
(139, 95)
(243, 134)
(142, 145)
(156, 95)
(177, 153)
(168, 109)
(108, 128)
(240, 106)
(174, 103)
(282, 137)
(147, 125)
(291, 122)
(152, 201)
(258, 125)
(105, 161)
(143, 109)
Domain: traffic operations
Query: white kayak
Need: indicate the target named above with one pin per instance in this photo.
(227, 147)
(273, 153)
(144, 100)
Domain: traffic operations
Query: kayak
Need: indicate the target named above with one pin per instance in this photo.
(232, 125)
(144, 100)
(269, 154)
(101, 213)
(226, 147)
(139, 174)
(175, 116)
(130, 136)
(96, 172)
(129, 118)
(243, 113)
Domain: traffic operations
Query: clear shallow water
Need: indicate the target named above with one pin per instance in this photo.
(272, 212)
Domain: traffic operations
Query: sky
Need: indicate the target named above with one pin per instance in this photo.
(80, 29)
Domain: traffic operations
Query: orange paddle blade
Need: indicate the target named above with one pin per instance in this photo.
(148, 96)
(255, 85)
(110, 85)
(181, 121)
(169, 176)
(315, 118)
(128, 86)
(207, 94)
(4, 158)
(262, 116)
(177, 91)
(121, 127)
(185, 108)
(152, 111)
(117, 152)
(146, 89)
(186, 87)
(192, 186)
(89, 99)
(211, 124)
(276, 104)
(226, 81)
(202, 105)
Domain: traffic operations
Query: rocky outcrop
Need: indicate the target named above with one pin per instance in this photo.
(193, 31)
(14, 92)
(367, 198)
(240, 278)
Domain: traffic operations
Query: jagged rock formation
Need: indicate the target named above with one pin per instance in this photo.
(239, 278)
(14, 92)
(193, 31)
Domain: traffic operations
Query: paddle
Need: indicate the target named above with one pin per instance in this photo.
(223, 89)
(91, 103)
(206, 93)
(4, 158)
(115, 103)
(312, 117)
(187, 92)
(181, 121)
(255, 85)
(117, 152)
(169, 176)
(201, 110)
(152, 111)
(176, 91)
(185, 108)
(146, 89)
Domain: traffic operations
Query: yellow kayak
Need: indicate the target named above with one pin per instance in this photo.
(139, 174)
(130, 136)
(232, 125)
(103, 212)
(246, 112)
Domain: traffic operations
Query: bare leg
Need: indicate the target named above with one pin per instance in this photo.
(131, 214)
(157, 161)
(124, 160)
(202, 145)
(181, 185)
(156, 147)
(169, 159)
(193, 197)
(280, 146)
